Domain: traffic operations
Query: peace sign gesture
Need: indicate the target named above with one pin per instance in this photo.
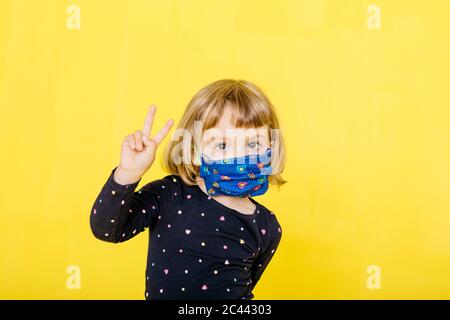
(139, 149)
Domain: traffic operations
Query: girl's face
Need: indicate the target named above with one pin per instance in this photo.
(226, 141)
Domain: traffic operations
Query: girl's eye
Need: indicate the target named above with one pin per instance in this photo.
(254, 144)
(221, 146)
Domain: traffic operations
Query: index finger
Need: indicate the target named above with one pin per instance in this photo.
(149, 121)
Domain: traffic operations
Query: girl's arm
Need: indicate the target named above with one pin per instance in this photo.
(262, 260)
(119, 214)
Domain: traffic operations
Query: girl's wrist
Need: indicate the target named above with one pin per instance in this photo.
(123, 176)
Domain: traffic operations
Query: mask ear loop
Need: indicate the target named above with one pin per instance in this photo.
(266, 156)
(267, 160)
(207, 159)
(199, 156)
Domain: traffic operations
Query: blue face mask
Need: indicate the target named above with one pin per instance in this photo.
(238, 176)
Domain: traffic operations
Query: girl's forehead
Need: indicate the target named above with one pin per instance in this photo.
(233, 132)
(225, 127)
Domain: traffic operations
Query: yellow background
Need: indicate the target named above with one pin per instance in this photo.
(365, 114)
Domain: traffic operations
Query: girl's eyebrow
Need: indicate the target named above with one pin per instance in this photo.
(221, 137)
(211, 139)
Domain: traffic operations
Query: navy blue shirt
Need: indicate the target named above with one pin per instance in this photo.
(198, 247)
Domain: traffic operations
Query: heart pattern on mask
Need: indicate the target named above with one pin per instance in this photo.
(242, 184)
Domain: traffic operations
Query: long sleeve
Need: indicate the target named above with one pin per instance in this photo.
(119, 213)
(262, 260)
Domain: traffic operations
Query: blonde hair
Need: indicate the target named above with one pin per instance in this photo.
(253, 110)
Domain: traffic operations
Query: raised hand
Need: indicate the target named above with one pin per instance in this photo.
(139, 149)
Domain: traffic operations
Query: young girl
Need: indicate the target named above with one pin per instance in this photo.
(209, 239)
